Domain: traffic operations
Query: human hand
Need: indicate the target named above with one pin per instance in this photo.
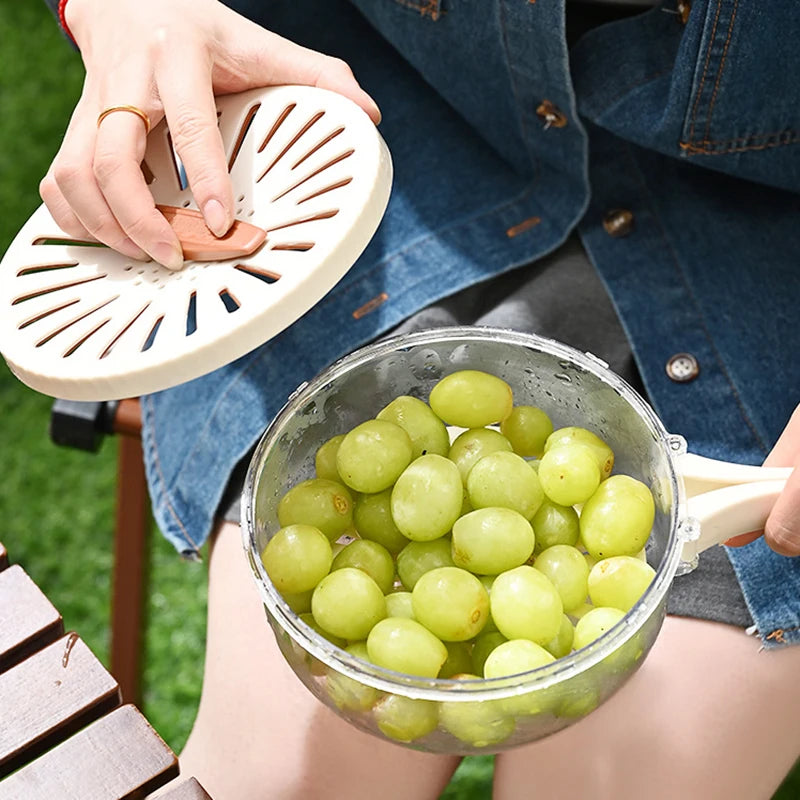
(782, 530)
(167, 58)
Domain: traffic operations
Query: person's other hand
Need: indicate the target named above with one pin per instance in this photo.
(168, 58)
(782, 531)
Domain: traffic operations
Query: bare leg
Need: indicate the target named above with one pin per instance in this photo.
(260, 733)
(707, 716)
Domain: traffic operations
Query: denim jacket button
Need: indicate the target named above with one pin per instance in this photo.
(683, 367)
(618, 222)
(553, 117)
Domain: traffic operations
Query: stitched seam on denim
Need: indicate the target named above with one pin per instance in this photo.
(704, 149)
(690, 293)
(426, 8)
(163, 494)
(705, 70)
(750, 137)
(523, 126)
(720, 70)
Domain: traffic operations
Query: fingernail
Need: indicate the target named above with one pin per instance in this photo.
(216, 218)
(168, 255)
(130, 248)
(377, 111)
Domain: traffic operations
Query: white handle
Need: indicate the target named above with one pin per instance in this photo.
(702, 474)
(730, 511)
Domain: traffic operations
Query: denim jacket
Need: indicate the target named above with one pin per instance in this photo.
(672, 146)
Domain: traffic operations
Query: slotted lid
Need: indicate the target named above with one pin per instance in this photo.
(82, 322)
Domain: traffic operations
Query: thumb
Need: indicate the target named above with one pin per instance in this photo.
(782, 530)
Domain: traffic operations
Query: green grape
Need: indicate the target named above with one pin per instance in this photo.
(526, 605)
(484, 644)
(348, 693)
(478, 724)
(568, 571)
(372, 455)
(466, 506)
(487, 581)
(572, 435)
(325, 459)
(325, 504)
(297, 558)
(359, 650)
(471, 399)
(458, 661)
(505, 480)
(300, 603)
(581, 611)
(405, 719)
(594, 624)
(492, 540)
(417, 558)
(451, 603)
(472, 445)
(578, 704)
(427, 498)
(617, 519)
(515, 657)
(619, 582)
(370, 557)
(554, 524)
(569, 474)
(403, 645)
(398, 604)
(309, 620)
(561, 644)
(372, 518)
(427, 432)
(527, 428)
(348, 603)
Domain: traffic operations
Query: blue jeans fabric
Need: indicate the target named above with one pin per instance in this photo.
(693, 128)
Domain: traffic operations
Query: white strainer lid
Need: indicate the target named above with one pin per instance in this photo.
(83, 322)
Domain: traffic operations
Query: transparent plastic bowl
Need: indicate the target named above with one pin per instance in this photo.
(474, 716)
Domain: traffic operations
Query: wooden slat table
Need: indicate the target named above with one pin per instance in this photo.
(63, 732)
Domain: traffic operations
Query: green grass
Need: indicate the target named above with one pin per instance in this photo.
(56, 505)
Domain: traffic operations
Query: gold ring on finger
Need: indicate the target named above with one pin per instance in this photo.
(132, 109)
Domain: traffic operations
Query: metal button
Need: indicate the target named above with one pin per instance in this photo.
(618, 222)
(553, 117)
(683, 367)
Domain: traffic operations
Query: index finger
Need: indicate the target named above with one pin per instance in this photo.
(184, 83)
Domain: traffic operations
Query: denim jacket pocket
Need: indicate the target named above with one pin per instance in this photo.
(742, 97)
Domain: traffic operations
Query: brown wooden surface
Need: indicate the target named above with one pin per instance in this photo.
(187, 790)
(128, 586)
(118, 757)
(128, 417)
(28, 620)
(3, 557)
(53, 693)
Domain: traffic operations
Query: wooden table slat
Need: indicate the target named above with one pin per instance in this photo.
(118, 757)
(54, 693)
(187, 790)
(28, 620)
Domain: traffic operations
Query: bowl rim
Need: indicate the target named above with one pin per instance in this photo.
(479, 689)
